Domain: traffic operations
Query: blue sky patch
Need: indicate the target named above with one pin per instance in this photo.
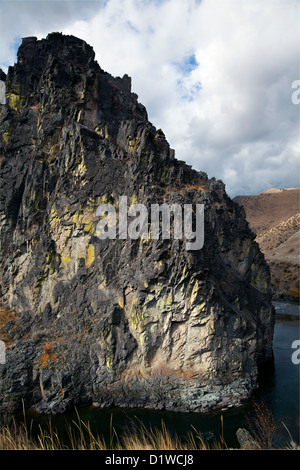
(187, 65)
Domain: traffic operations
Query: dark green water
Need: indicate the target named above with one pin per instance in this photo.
(279, 389)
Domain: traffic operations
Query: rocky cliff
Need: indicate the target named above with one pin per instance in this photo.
(125, 322)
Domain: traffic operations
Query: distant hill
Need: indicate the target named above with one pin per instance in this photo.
(275, 190)
(274, 215)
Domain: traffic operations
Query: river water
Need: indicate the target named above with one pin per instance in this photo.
(279, 390)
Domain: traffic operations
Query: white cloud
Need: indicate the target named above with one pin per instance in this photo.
(230, 112)
(21, 18)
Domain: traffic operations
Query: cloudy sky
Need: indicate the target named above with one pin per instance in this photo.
(215, 75)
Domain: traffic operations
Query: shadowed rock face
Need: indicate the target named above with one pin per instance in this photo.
(125, 322)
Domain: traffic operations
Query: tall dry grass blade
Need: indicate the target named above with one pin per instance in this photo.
(292, 445)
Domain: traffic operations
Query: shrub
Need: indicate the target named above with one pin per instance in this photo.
(262, 425)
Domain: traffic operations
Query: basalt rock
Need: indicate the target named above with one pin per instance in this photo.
(246, 440)
(123, 322)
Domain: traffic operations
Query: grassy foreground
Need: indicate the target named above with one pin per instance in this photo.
(80, 437)
(14, 437)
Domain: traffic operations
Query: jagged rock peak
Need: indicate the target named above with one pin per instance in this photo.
(62, 70)
(62, 47)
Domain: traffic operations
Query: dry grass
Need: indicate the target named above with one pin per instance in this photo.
(19, 437)
(161, 439)
(80, 437)
(262, 425)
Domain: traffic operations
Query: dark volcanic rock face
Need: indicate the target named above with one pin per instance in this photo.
(126, 322)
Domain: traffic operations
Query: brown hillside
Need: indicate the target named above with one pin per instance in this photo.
(274, 215)
(267, 209)
(281, 237)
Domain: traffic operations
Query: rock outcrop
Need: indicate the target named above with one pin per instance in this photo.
(124, 322)
(246, 440)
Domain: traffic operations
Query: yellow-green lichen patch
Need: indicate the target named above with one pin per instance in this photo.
(138, 319)
(121, 301)
(165, 175)
(202, 320)
(60, 233)
(153, 328)
(80, 169)
(199, 308)
(109, 362)
(166, 302)
(103, 199)
(89, 222)
(199, 313)
(103, 132)
(65, 259)
(90, 256)
(133, 200)
(195, 292)
(54, 221)
(6, 137)
(39, 280)
(133, 144)
(258, 276)
(15, 101)
(89, 226)
(85, 219)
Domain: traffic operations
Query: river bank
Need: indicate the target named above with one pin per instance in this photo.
(286, 309)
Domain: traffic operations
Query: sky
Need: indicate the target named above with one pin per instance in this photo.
(216, 76)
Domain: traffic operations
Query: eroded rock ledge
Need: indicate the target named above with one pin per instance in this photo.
(114, 322)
